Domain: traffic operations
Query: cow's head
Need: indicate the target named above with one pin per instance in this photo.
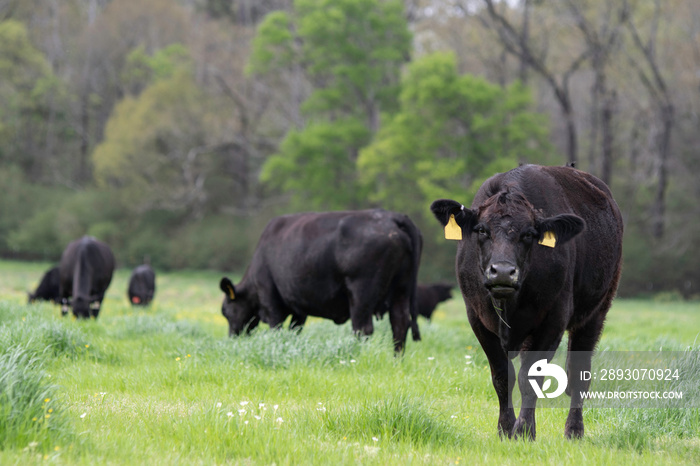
(240, 310)
(505, 228)
(81, 306)
(443, 291)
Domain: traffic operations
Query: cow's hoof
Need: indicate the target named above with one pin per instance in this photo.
(505, 426)
(523, 430)
(573, 431)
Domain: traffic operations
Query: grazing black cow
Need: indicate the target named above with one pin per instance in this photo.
(336, 265)
(541, 254)
(48, 287)
(142, 285)
(85, 272)
(429, 296)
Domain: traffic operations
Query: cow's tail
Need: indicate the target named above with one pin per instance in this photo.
(416, 240)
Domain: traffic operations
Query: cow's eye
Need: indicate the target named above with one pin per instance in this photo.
(527, 237)
(482, 231)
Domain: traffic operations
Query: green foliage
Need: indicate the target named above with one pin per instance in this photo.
(450, 134)
(352, 52)
(150, 153)
(316, 165)
(356, 48)
(142, 69)
(27, 89)
(273, 46)
(51, 225)
(19, 200)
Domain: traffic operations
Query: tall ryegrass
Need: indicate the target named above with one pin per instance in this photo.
(30, 417)
(395, 418)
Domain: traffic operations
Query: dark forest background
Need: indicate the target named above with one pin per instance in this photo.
(175, 130)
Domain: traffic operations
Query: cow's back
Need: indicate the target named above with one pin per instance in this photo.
(86, 268)
(307, 258)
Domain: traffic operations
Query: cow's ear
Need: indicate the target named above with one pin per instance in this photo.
(564, 227)
(228, 288)
(443, 209)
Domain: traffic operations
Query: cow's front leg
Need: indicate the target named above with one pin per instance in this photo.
(544, 345)
(297, 322)
(525, 426)
(502, 374)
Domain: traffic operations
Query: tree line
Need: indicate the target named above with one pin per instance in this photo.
(175, 130)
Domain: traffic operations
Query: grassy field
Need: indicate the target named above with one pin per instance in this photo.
(165, 385)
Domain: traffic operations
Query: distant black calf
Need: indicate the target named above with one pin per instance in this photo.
(85, 272)
(336, 265)
(142, 285)
(48, 289)
(429, 296)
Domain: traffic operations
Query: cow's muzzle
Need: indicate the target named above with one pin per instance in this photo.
(502, 279)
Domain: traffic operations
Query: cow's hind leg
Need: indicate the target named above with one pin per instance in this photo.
(582, 342)
(362, 304)
(400, 318)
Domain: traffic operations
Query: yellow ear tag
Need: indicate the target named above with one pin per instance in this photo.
(231, 294)
(452, 230)
(549, 239)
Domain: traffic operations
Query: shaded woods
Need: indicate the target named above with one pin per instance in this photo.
(175, 130)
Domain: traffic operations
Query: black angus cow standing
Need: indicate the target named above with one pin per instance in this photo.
(48, 289)
(429, 296)
(142, 285)
(521, 296)
(85, 272)
(335, 265)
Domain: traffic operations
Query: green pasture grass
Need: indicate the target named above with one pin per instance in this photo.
(165, 385)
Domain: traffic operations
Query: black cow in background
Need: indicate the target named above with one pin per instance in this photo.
(540, 254)
(429, 296)
(142, 285)
(335, 265)
(48, 289)
(85, 272)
